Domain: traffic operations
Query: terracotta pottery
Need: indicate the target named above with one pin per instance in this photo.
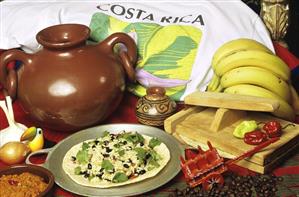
(69, 85)
(153, 108)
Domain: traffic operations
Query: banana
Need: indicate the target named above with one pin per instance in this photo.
(294, 99)
(256, 76)
(254, 58)
(214, 83)
(284, 111)
(235, 46)
(219, 88)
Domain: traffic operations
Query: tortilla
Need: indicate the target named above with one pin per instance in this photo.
(102, 175)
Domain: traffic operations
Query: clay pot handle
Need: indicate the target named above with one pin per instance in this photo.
(8, 78)
(129, 57)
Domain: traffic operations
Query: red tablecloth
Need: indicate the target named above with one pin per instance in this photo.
(125, 113)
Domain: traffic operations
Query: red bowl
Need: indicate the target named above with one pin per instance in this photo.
(36, 170)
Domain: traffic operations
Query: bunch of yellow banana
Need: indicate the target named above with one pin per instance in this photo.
(245, 66)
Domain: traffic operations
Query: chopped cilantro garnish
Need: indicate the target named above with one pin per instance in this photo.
(135, 138)
(82, 157)
(151, 168)
(140, 153)
(91, 177)
(154, 158)
(107, 165)
(106, 133)
(77, 170)
(116, 145)
(121, 152)
(154, 142)
(119, 177)
(85, 146)
(153, 163)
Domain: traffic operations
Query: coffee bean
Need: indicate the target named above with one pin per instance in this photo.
(279, 179)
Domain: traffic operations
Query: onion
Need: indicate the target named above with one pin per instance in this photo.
(14, 152)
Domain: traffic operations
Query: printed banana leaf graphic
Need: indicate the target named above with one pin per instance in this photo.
(167, 52)
(99, 27)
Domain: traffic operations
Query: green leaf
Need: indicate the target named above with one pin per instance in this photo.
(154, 142)
(85, 146)
(99, 26)
(154, 158)
(169, 57)
(141, 153)
(77, 170)
(107, 165)
(153, 163)
(145, 32)
(106, 133)
(91, 177)
(82, 157)
(134, 138)
(121, 152)
(116, 145)
(119, 177)
(151, 167)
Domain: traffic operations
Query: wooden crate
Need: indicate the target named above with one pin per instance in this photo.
(197, 124)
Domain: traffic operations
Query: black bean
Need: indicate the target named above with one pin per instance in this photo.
(74, 158)
(147, 156)
(126, 165)
(142, 171)
(93, 146)
(86, 175)
(89, 166)
(108, 150)
(100, 175)
(106, 155)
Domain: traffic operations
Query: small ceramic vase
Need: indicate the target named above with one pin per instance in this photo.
(153, 108)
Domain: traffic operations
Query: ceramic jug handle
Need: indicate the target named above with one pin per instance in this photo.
(129, 57)
(8, 77)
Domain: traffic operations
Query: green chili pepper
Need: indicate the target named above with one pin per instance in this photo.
(245, 127)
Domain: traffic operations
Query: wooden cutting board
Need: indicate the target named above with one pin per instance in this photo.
(200, 124)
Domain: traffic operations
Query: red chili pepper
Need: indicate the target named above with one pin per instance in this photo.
(255, 137)
(273, 129)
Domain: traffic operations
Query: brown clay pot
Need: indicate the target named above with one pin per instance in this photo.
(153, 108)
(69, 85)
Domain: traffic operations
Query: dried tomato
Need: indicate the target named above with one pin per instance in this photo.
(255, 137)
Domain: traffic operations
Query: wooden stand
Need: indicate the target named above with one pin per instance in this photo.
(197, 124)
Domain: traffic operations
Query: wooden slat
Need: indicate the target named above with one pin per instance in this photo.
(232, 101)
